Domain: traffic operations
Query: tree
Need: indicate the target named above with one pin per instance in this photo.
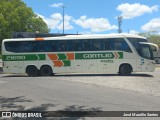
(15, 16)
(153, 37)
(37, 24)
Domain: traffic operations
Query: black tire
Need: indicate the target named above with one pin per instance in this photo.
(32, 71)
(46, 71)
(125, 70)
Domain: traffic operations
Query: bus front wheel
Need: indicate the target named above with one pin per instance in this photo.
(32, 71)
(46, 70)
(125, 69)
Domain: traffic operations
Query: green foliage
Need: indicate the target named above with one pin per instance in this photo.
(152, 37)
(15, 16)
(155, 39)
(0, 55)
(37, 24)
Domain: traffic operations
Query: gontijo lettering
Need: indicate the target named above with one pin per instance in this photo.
(100, 55)
(97, 56)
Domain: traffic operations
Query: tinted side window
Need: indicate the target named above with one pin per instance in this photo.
(11, 46)
(69, 45)
(25, 46)
(62, 45)
(77, 45)
(37, 46)
(87, 45)
(119, 44)
(106, 44)
(97, 45)
(17, 46)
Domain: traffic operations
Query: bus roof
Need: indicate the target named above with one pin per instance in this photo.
(74, 37)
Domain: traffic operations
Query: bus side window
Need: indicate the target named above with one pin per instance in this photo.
(12, 46)
(96, 45)
(107, 45)
(87, 45)
(112, 44)
(52, 46)
(63, 46)
(69, 45)
(77, 45)
(25, 46)
(125, 47)
(36, 46)
(47, 46)
(57, 46)
(42, 46)
(29, 46)
(117, 45)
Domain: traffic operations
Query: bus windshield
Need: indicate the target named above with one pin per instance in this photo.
(143, 50)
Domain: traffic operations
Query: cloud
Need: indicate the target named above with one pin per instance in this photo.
(133, 32)
(95, 24)
(57, 5)
(130, 11)
(152, 25)
(67, 25)
(55, 21)
(56, 16)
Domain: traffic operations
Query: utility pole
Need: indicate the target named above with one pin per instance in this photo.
(63, 17)
(119, 24)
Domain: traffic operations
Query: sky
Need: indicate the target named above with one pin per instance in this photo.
(98, 16)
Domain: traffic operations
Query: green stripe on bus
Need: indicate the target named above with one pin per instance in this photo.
(42, 56)
(67, 63)
(120, 55)
(62, 56)
(107, 55)
(28, 57)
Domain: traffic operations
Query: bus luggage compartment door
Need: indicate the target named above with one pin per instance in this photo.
(89, 66)
(12, 67)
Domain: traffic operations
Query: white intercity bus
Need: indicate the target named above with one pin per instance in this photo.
(109, 54)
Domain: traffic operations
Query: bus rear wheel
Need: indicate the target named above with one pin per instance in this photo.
(32, 71)
(46, 70)
(125, 70)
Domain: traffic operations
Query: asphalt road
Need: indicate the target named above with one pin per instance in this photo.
(58, 93)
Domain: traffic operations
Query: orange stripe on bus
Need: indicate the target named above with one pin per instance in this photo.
(39, 39)
(53, 56)
(58, 63)
(70, 56)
